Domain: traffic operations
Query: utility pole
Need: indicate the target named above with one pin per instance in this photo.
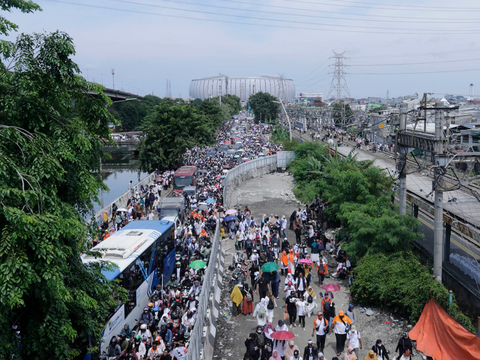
(113, 78)
(438, 177)
(402, 163)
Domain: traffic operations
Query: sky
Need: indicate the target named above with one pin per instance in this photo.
(150, 41)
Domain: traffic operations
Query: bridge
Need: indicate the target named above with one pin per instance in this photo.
(117, 95)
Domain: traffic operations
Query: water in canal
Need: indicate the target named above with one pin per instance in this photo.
(117, 173)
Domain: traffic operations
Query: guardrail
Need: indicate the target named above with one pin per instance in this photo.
(122, 200)
(197, 339)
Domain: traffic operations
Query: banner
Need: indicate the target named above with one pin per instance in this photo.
(168, 265)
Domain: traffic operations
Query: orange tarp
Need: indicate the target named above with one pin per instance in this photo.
(441, 337)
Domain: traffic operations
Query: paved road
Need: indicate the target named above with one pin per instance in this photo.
(271, 194)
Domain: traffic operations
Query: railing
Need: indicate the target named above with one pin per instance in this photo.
(122, 200)
(197, 340)
(245, 168)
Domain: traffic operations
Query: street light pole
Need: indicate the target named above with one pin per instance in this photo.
(288, 119)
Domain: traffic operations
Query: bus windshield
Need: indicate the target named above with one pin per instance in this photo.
(182, 181)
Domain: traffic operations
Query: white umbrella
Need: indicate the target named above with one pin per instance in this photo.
(122, 209)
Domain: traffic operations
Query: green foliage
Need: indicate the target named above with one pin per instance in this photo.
(264, 107)
(175, 126)
(51, 135)
(398, 281)
(131, 113)
(342, 111)
(25, 6)
(279, 134)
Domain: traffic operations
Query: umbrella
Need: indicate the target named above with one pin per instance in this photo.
(270, 267)
(305, 261)
(223, 177)
(210, 201)
(229, 218)
(282, 335)
(236, 156)
(198, 264)
(122, 209)
(331, 287)
(231, 212)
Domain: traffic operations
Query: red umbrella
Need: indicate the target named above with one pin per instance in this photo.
(282, 335)
(305, 261)
(331, 287)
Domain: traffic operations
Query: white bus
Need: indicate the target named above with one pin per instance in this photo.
(143, 252)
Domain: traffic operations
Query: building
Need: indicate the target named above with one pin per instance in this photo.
(242, 87)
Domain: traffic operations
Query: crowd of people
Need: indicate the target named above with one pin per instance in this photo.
(263, 241)
(164, 328)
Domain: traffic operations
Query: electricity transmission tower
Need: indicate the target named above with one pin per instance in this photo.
(338, 86)
(168, 91)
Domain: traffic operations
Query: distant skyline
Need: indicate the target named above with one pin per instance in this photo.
(389, 46)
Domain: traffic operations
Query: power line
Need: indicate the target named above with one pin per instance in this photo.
(411, 73)
(335, 12)
(320, 73)
(410, 31)
(418, 63)
(432, 9)
(404, 6)
(306, 15)
(303, 77)
(241, 23)
(419, 54)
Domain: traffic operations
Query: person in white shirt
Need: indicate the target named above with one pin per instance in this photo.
(301, 310)
(296, 355)
(150, 216)
(320, 328)
(354, 340)
(281, 326)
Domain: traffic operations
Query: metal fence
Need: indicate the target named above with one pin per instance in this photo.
(197, 339)
(122, 200)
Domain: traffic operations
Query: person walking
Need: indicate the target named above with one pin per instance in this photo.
(271, 305)
(322, 270)
(310, 352)
(404, 344)
(320, 328)
(310, 298)
(247, 306)
(350, 354)
(354, 340)
(260, 312)
(262, 286)
(339, 323)
(301, 311)
(237, 298)
(291, 309)
(380, 351)
(275, 281)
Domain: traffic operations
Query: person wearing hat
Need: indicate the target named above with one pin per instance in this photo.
(354, 340)
(404, 344)
(320, 328)
(339, 323)
(310, 351)
(296, 355)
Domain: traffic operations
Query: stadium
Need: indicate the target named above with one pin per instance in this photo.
(242, 87)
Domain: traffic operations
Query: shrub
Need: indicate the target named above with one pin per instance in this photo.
(400, 283)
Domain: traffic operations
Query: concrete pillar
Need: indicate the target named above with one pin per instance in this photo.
(438, 215)
(401, 165)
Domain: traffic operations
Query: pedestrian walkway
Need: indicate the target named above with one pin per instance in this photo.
(233, 331)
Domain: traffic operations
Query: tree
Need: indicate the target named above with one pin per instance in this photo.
(131, 113)
(264, 107)
(169, 131)
(24, 6)
(342, 114)
(52, 135)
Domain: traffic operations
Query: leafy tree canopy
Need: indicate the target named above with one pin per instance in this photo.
(130, 114)
(264, 107)
(173, 128)
(51, 135)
